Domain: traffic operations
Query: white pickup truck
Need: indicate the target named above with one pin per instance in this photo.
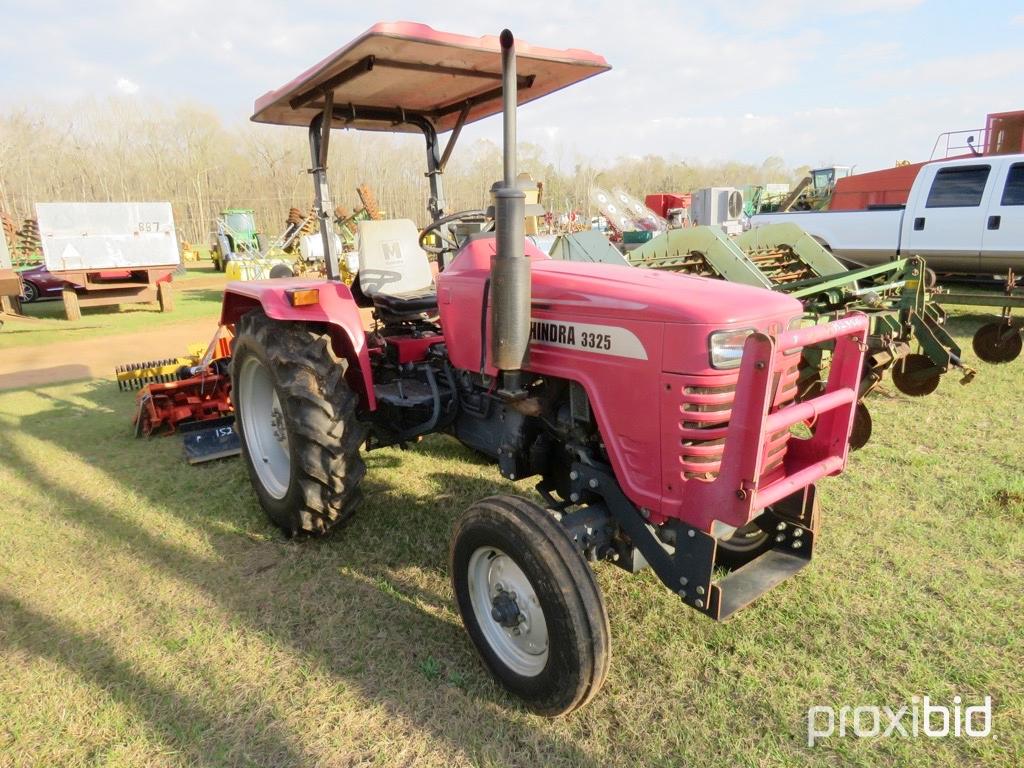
(964, 216)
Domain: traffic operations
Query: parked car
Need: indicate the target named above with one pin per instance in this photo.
(39, 283)
(964, 216)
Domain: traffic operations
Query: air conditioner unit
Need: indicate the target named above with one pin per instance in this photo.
(718, 207)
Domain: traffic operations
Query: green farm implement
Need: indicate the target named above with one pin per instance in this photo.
(907, 334)
(1000, 341)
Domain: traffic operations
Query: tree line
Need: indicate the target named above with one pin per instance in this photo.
(119, 151)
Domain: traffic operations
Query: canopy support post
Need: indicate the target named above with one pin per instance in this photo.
(319, 143)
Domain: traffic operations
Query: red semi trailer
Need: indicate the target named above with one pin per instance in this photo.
(1003, 134)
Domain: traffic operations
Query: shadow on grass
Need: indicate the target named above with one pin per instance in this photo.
(363, 605)
(38, 377)
(202, 735)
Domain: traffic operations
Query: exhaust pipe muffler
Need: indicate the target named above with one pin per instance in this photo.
(510, 269)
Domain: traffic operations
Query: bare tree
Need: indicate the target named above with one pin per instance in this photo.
(114, 151)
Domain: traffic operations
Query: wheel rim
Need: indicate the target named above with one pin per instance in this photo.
(266, 436)
(507, 611)
(745, 539)
(28, 292)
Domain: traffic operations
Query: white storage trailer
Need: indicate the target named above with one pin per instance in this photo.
(110, 253)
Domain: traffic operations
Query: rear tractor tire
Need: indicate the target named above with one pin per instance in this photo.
(530, 604)
(296, 417)
(281, 270)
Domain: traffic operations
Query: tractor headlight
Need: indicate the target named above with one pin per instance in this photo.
(727, 347)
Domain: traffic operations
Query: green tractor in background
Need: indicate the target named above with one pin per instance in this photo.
(812, 193)
(235, 237)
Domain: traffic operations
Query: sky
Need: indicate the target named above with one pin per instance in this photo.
(816, 82)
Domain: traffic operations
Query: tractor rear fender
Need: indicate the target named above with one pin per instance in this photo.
(335, 310)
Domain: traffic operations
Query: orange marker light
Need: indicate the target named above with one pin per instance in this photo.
(303, 297)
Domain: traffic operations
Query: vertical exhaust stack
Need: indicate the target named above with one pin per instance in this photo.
(510, 269)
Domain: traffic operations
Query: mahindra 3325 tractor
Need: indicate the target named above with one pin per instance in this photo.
(655, 409)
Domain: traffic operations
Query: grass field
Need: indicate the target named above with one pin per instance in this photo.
(197, 295)
(150, 616)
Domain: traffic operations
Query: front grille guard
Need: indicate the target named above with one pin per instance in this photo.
(681, 551)
(736, 496)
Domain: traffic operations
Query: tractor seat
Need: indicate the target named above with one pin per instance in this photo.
(394, 272)
(410, 303)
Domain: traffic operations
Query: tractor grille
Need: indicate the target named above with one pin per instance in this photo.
(705, 412)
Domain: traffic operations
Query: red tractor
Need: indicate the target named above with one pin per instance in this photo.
(654, 409)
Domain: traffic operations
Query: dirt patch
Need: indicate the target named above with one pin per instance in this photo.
(97, 358)
(1010, 499)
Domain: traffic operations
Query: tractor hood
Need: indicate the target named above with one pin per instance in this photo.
(611, 291)
(608, 290)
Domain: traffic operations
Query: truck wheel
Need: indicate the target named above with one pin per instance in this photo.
(530, 604)
(297, 420)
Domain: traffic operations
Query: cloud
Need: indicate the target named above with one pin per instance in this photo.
(759, 14)
(124, 85)
(854, 81)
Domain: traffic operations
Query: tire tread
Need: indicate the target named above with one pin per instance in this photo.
(322, 422)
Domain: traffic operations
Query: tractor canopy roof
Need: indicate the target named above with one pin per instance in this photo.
(398, 70)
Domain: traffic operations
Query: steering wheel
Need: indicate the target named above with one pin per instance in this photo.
(439, 228)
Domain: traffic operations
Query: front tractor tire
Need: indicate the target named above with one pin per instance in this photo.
(296, 417)
(530, 604)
